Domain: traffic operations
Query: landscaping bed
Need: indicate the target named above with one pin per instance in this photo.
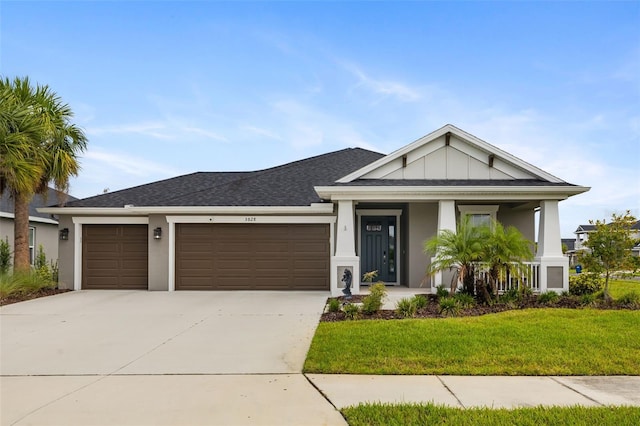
(433, 309)
(21, 297)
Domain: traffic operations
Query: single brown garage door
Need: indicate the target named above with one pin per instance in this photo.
(252, 257)
(115, 257)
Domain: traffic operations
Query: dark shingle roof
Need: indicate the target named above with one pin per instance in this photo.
(291, 184)
(51, 197)
(585, 228)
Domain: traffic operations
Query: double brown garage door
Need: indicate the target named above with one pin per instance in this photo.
(115, 257)
(252, 257)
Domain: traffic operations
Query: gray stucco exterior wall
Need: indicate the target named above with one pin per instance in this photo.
(158, 254)
(66, 255)
(423, 224)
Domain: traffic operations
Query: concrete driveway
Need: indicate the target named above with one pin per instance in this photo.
(136, 357)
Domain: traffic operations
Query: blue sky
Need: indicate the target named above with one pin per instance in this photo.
(168, 88)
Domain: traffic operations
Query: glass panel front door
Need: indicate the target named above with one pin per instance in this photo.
(378, 246)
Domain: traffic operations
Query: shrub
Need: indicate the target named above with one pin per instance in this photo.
(5, 256)
(631, 299)
(588, 299)
(373, 302)
(420, 301)
(511, 295)
(351, 311)
(548, 297)
(406, 307)
(42, 266)
(449, 306)
(465, 300)
(441, 291)
(585, 283)
(22, 283)
(333, 305)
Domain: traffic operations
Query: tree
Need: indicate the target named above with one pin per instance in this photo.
(505, 250)
(459, 250)
(38, 147)
(609, 246)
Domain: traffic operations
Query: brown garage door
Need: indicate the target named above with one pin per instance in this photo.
(252, 257)
(114, 257)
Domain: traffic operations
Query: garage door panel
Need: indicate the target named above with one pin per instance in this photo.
(256, 256)
(115, 257)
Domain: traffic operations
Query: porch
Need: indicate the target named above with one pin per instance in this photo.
(389, 238)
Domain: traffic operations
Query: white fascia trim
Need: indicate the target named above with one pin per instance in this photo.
(379, 212)
(473, 140)
(315, 208)
(250, 220)
(99, 220)
(31, 218)
(430, 193)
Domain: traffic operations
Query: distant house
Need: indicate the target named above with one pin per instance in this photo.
(582, 235)
(43, 227)
(303, 225)
(569, 249)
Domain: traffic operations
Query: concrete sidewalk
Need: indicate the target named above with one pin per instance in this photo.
(475, 391)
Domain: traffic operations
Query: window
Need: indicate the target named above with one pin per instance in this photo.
(32, 245)
(479, 214)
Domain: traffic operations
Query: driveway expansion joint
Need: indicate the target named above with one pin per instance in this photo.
(577, 391)
(450, 391)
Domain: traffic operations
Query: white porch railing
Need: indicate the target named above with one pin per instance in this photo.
(529, 277)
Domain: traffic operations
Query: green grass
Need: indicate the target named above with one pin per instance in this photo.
(618, 288)
(520, 342)
(429, 414)
(22, 283)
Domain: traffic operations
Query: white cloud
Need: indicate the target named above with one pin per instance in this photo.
(384, 88)
(125, 163)
(164, 130)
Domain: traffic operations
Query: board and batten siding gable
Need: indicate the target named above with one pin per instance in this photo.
(458, 160)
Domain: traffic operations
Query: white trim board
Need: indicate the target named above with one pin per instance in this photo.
(35, 219)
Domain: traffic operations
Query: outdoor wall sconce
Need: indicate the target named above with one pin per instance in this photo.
(157, 233)
(64, 234)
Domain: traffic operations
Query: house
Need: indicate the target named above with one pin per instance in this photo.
(582, 235)
(299, 226)
(569, 249)
(43, 227)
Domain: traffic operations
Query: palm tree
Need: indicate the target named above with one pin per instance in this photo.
(39, 146)
(459, 250)
(505, 250)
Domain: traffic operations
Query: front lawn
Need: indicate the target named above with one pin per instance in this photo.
(429, 414)
(618, 288)
(547, 341)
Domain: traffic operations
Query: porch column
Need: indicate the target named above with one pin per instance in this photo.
(554, 266)
(345, 255)
(446, 220)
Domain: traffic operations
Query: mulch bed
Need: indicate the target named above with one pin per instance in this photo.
(432, 310)
(15, 298)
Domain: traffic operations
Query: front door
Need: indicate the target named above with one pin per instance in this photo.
(378, 247)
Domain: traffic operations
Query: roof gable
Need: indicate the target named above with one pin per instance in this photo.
(450, 153)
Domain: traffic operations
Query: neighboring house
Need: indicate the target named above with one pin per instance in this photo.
(582, 235)
(43, 227)
(569, 248)
(300, 225)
